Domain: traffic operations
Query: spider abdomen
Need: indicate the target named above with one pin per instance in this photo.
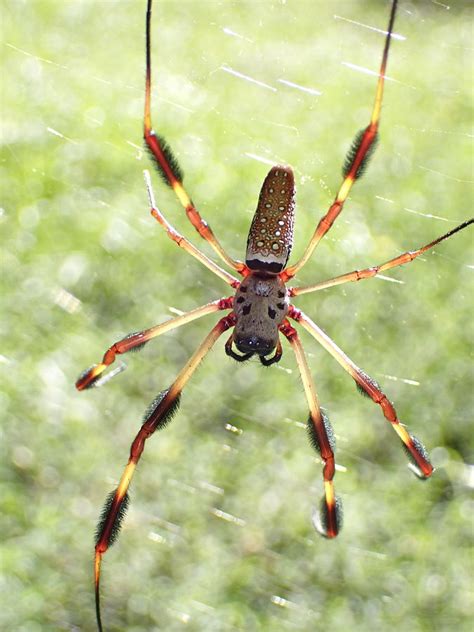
(271, 232)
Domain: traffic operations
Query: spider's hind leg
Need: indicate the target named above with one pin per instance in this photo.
(355, 162)
(169, 168)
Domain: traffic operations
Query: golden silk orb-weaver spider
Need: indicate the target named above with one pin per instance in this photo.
(260, 311)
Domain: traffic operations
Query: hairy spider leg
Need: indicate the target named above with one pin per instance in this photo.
(367, 273)
(419, 461)
(355, 163)
(322, 439)
(157, 416)
(181, 241)
(136, 341)
(169, 167)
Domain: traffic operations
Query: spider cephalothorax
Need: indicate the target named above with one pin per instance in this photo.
(260, 305)
(259, 311)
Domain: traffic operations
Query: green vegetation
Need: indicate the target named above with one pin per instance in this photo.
(83, 264)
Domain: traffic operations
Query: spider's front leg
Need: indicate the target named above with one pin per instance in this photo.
(157, 416)
(419, 460)
(322, 439)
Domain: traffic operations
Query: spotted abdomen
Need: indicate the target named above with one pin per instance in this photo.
(271, 233)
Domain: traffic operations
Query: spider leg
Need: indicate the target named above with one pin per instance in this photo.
(182, 242)
(356, 161)
(419, 461)
(322, 438)
(169, 168)
(157, 416)
(136, 341)
(367, 273)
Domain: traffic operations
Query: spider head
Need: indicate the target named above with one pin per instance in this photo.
(252, 343)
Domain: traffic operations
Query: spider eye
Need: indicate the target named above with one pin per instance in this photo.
(255, 344)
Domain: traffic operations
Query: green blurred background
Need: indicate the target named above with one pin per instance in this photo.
(219, 534)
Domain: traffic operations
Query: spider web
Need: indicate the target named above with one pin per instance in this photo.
(219, 532)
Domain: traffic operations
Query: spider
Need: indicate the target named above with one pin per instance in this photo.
(259, 310)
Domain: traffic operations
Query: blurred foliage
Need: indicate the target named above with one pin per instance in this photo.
(83, 263)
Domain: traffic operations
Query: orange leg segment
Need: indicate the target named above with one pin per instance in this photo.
(182, 242)
(419, 461)
(322, 438)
